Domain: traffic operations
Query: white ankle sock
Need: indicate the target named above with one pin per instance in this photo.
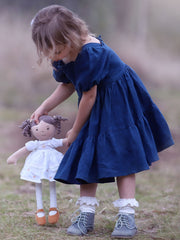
(127, 209)
(87, 204)
(126, 205)
(87, 208)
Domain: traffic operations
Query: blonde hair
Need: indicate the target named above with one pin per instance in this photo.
(56, 25)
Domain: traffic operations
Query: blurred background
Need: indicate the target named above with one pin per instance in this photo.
(145, 34)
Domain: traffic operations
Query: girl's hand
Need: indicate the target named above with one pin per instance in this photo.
(12, 160)
(39, 112)
(71, 136)
(64, 141)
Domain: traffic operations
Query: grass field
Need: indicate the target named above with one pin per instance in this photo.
(158, 192)
(23, 87)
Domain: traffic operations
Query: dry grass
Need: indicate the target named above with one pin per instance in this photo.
(23, 86)
(158, 192)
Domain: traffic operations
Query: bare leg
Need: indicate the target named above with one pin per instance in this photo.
(88, 202)
(88, 190)
(126, 186)
(125, 225)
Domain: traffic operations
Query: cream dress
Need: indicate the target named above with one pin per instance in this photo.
(43, 161)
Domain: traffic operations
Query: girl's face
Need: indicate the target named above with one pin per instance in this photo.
(43, 131)
(62, 52)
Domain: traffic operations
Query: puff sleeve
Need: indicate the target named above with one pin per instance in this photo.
(31, 145)
(55, 143)
(58, 72)
(90, 68)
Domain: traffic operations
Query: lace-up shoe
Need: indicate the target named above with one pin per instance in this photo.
(83, 224)
(125, 226)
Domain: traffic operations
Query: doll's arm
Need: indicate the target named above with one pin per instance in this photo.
(16, 155)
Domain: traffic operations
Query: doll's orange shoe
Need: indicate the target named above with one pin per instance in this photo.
(53, 218)
(40, 220)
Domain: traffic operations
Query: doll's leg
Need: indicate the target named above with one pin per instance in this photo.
(52, 191)
(125, 225)
(39, 198)
(40, 215)
(53, 211)
(88, 202)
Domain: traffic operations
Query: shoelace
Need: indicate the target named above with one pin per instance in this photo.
(81, 218)
(123, 220)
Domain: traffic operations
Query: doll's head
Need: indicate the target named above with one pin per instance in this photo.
(56, 26)
(45, 129)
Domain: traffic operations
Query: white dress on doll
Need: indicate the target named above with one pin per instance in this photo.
(43, 161)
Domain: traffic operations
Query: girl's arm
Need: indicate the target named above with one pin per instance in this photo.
(18, 154)
(61, 93)
(85, 107)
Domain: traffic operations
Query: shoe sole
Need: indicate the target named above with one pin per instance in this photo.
(74, 234)
(124, 236)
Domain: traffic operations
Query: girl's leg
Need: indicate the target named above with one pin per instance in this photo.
(87, 201)
(126, 186)
(125, 225)
(53, 211)
(88, 190)
(40, 215)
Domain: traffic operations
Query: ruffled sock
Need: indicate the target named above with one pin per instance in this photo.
(87, 204)
(126, 205)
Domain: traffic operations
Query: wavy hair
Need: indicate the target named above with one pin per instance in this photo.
(56, 25)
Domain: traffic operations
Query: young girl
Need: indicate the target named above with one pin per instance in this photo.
(42, 162)
(118, 129)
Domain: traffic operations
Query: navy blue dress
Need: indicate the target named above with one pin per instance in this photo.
(125, 130)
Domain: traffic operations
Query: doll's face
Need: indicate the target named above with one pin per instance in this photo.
(43, 131)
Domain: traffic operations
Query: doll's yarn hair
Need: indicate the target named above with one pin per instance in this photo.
(54, 120)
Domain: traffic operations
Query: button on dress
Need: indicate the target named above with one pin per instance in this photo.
(125, 130)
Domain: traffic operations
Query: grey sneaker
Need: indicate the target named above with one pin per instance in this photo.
(125, 226)
(83, 224)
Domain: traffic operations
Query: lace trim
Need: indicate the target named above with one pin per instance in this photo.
(88, 201)
(123, 202)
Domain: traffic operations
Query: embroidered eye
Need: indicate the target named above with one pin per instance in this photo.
(47, 128)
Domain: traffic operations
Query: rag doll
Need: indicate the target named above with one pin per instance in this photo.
(42, 162)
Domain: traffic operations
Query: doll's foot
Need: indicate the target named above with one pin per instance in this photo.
(40, 217)
(53, 215)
